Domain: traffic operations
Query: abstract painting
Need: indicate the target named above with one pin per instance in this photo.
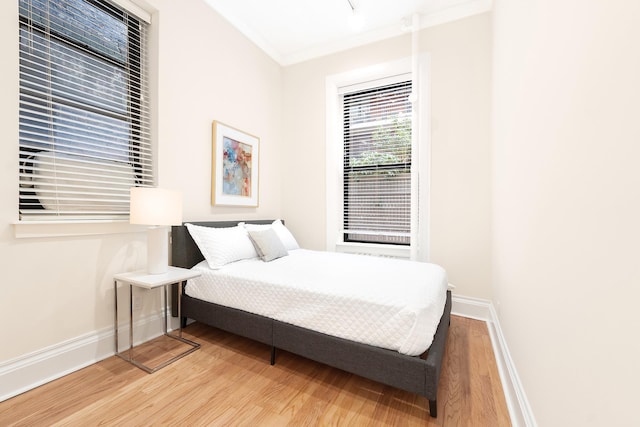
(235, 167)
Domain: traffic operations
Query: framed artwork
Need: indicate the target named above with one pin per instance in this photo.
(235, 167)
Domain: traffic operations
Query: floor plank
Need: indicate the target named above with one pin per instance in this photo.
(229, 381)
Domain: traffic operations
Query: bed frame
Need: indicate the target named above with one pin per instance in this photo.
(416, 374)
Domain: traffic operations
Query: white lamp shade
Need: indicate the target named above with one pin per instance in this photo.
(155, 206)
(159, 208)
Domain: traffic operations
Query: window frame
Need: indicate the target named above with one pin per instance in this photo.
(360, 78)
(135, 65)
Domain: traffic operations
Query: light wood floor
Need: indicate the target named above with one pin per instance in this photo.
(229, 381)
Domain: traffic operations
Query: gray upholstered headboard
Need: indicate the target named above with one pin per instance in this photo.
(185, 252)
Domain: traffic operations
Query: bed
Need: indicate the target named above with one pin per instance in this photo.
(418, 374)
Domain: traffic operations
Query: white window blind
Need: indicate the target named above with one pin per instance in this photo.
(84, 110)
(377, 164)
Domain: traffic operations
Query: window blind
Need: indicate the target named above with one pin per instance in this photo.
(377, 164)
(84, 113)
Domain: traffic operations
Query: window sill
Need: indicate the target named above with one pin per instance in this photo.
(394, 251)
(40, 229)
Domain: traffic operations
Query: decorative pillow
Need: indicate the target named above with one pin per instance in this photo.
(221, 246)
(267, 244)
(283, 233)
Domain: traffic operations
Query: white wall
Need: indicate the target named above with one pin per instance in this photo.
(460, 57)
(567, 205)
(208, 71)
(59, 288)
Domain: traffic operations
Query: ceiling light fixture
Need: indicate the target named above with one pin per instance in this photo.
(356, 20)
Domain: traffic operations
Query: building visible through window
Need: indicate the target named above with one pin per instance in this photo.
(84, 113)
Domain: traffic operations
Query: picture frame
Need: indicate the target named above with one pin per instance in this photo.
(235, 167)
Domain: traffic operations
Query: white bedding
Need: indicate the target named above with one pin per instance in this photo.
(383, 302)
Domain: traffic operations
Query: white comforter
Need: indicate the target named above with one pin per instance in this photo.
(383, 302)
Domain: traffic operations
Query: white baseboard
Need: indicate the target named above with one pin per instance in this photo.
(40, 367)
(35, 369)
(517, 403)
(473, 308)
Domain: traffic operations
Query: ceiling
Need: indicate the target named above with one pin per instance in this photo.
(292, 31)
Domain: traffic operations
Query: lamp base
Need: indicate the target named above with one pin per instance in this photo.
(157, 250)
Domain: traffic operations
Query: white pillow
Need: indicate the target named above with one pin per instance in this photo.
(268, 244)
(281, 230)
(285, 235)
(220, 246)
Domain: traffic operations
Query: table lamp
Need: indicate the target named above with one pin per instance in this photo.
(158, 208)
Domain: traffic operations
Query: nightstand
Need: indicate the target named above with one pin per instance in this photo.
(144, 280)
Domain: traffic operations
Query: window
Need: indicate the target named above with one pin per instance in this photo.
(84, 115)
(377, 164)
(377, 159)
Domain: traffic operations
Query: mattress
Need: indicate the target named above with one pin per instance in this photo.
(384, 302)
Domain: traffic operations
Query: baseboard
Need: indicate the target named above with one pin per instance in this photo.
(473, 308)
(517, 403)
(32, 370)
(40, 367)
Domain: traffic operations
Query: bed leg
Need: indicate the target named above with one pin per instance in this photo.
(433, 408)
(273, 355)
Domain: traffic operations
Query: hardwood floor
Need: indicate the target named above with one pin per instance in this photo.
(229, 381)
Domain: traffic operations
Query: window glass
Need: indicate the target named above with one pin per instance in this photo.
(95, 25)
(84, 116)
(377, 165)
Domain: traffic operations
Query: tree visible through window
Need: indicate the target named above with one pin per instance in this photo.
(377, 165)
